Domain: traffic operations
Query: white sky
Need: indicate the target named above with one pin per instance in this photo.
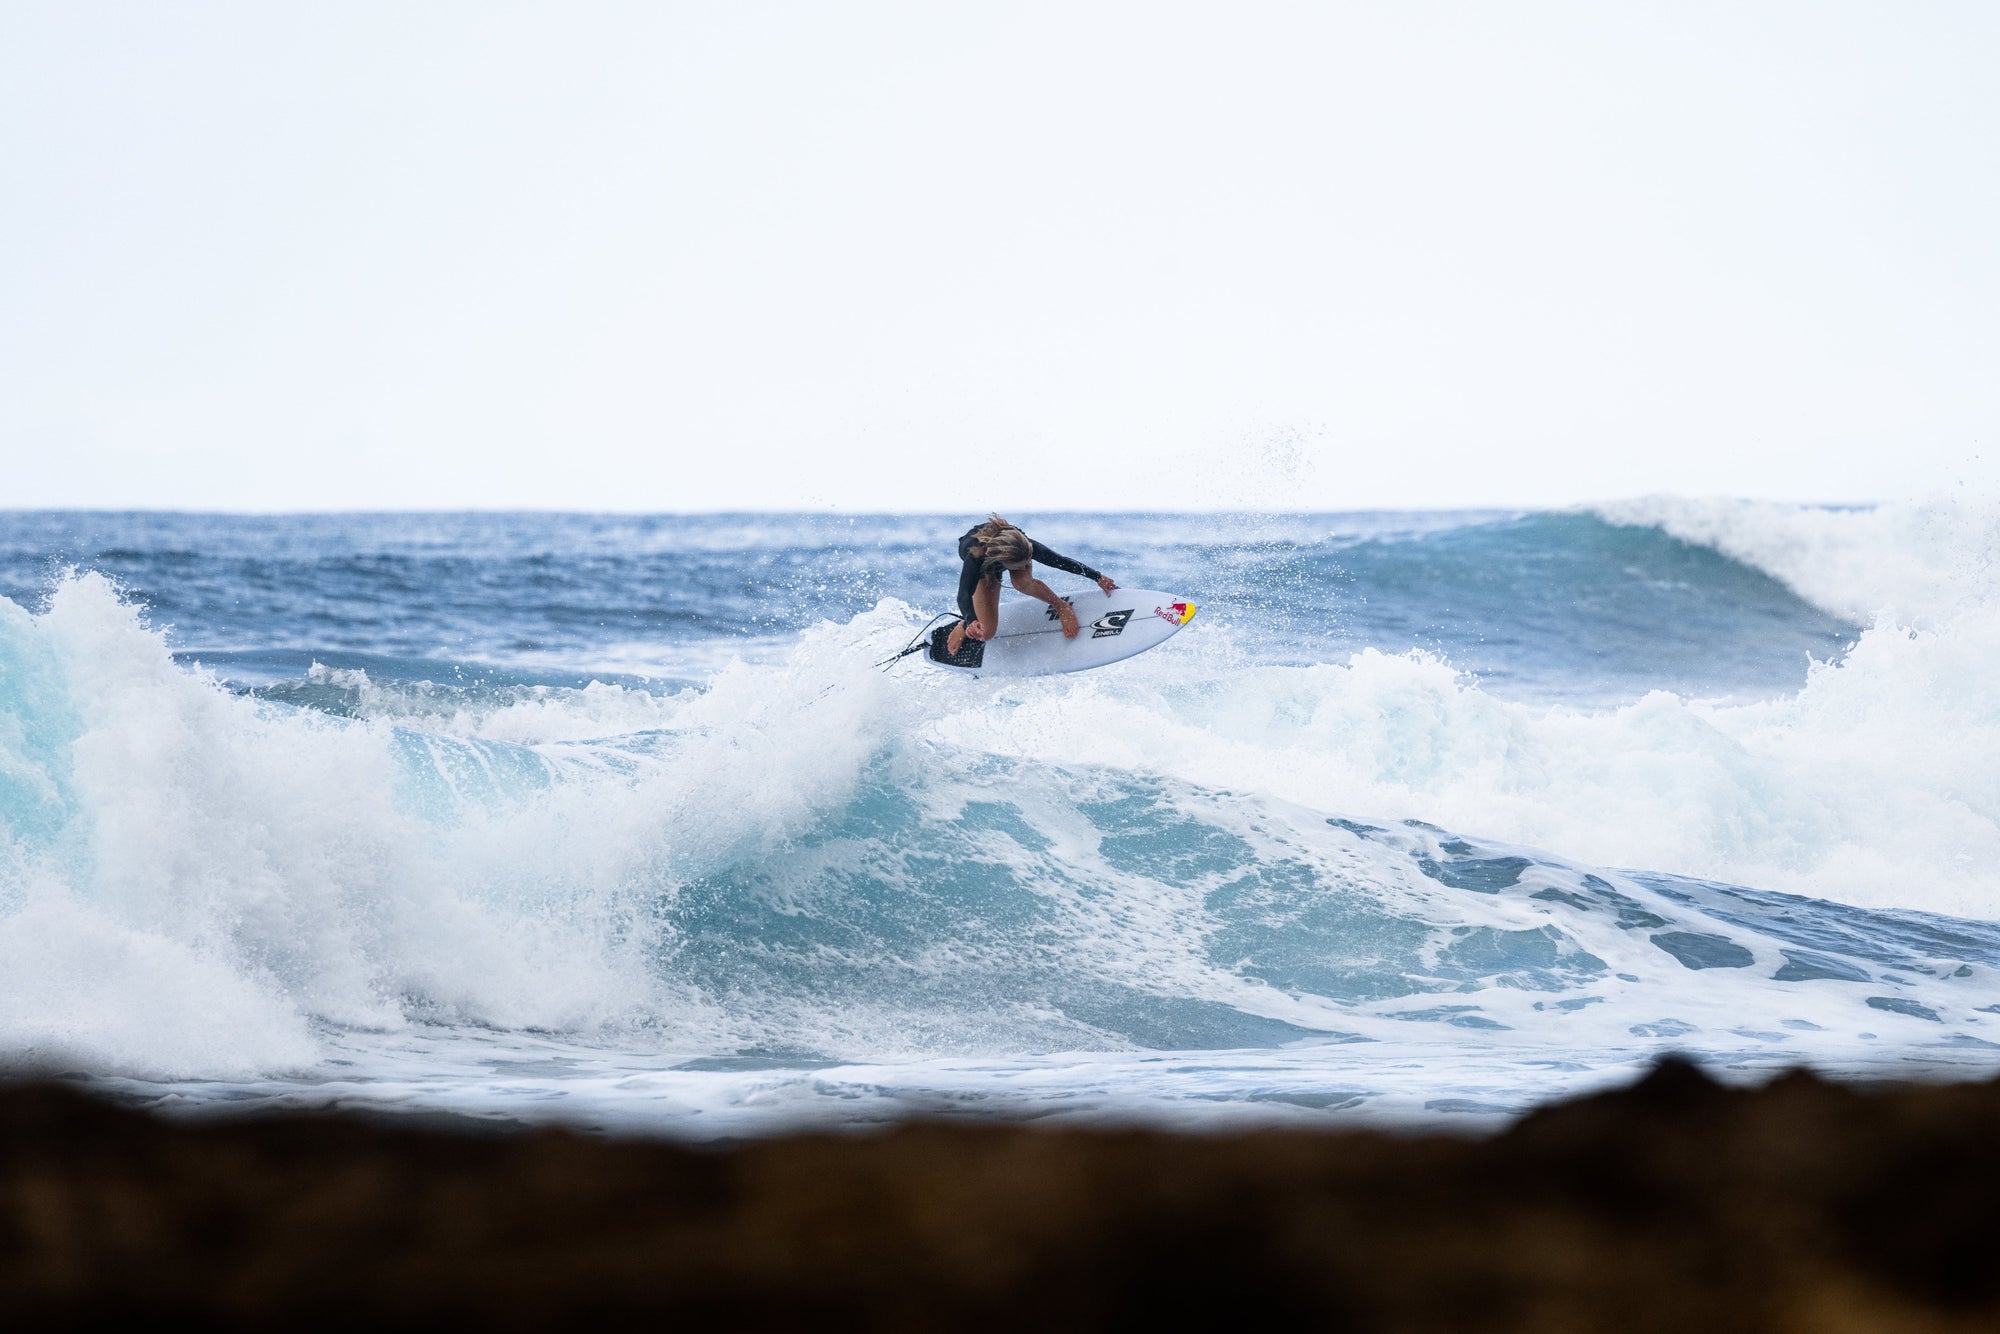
(955, 257)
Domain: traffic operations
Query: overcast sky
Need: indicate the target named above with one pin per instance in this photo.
(952, 256)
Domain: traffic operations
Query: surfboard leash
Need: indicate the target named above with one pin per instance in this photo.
(917, 645)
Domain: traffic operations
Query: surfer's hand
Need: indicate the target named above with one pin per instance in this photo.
(978, 630)
(1105, 582)
(1067, 615)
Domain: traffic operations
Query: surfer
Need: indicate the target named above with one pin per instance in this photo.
(996, 545)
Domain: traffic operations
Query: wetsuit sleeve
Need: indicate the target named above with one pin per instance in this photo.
(1057, 561)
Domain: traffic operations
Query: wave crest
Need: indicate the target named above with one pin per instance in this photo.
(1916, 564)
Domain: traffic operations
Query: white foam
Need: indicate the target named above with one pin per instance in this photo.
(237, 871)
(82, 990)
(1878, 784)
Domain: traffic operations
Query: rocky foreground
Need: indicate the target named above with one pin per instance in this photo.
(1671, 1205)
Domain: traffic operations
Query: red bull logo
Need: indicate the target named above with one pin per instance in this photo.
(1176, 613)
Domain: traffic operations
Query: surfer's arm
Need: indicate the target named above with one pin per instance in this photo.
(1055, 560)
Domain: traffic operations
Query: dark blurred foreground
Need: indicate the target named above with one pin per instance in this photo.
(1671, 1205)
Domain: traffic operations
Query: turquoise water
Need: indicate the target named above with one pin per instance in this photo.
(616, 820)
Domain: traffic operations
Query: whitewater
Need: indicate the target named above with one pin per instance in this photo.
(620, 822)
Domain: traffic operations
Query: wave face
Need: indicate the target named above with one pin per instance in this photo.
(1427, 815)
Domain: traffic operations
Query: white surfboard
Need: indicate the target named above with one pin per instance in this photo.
(1110, 626)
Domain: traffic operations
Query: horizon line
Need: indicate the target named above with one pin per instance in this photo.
(910, 513)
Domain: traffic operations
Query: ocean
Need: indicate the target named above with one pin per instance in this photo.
(620, 822)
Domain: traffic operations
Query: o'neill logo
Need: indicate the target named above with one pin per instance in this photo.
(1111, 623)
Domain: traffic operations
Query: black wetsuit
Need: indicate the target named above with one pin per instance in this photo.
(974, 569)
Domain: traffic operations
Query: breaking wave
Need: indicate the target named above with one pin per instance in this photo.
(1204, 850)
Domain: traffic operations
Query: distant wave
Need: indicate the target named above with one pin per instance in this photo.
(1911, 564)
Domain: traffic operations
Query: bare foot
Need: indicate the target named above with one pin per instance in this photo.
(1068, 615)
(956, 642)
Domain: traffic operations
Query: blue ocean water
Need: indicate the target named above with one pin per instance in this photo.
(619, 820)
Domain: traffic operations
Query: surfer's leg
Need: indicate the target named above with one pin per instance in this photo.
(985, 608)
(1035, 588)
(986, 605)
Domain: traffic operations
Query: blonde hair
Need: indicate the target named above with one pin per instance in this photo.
(1001, 544)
